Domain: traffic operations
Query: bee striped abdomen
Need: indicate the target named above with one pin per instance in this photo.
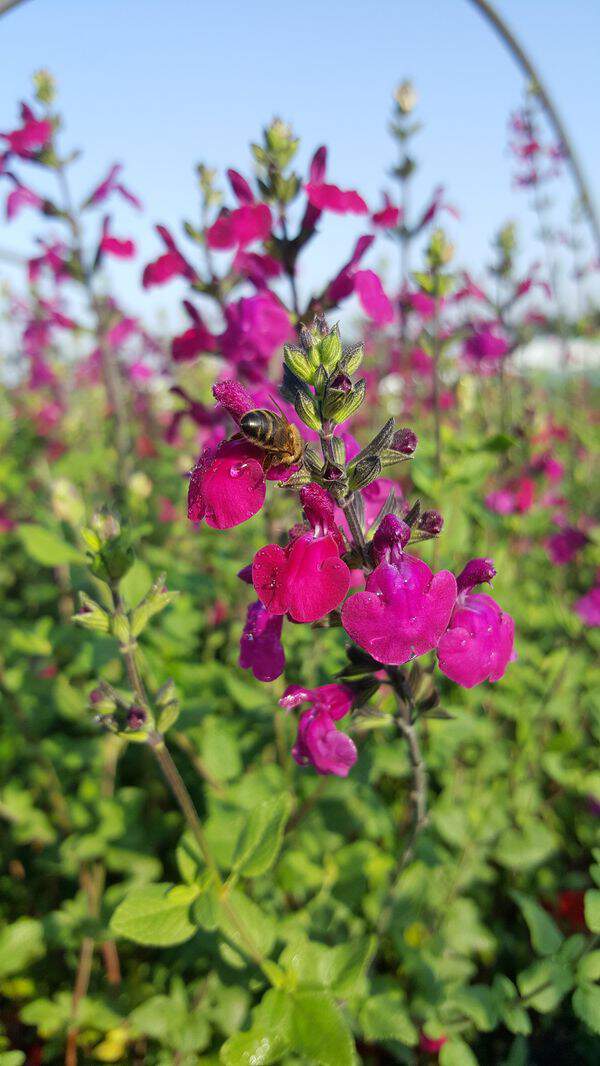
(262, 427)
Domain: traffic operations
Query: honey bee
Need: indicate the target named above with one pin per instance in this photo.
(275, 435)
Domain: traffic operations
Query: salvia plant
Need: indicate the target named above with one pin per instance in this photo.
(287, 780)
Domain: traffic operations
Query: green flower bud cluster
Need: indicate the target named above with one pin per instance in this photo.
(322, 362)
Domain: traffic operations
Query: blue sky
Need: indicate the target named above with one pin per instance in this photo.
(161, 86)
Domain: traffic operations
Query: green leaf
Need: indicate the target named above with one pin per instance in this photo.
(588, 968)
(261, 837)
(546, 938)
(586, 1004)
(20, 944)
(269, 1037)
(544, 984)
(258, 925)
(156, 915)
(456, 1053)
(47, 547)
(12, 1058)
(320, 1031)
(385, 1017)
(591, 902)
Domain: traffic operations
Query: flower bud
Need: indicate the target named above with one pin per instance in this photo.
(91, 615)
(330, 351)
(306, 409)
(339, 405)
(389, 541)
(404, 441)
(102, 702)
(136, 716)
(352, 357)
(431, 522)
(406, 97)
(155, 600)
(476, 572)
(364, 472)
(300, 362)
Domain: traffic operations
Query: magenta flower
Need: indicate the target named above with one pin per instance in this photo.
(517, 497)
(479, 642)
(29, 138)
(588, 607)
(121, 331)
(564, 545)
(171, 264)
(240, 227)
(404, 609)
(193, 341)
(240, 187)
(307, 578)
(484, 348)
(319, 743)
(228, 484)
(19, 198)
(388, 216)
(259, 269)
(373, 299)
(110, 185)
(331, 198)
(256, 327)
(121, 248)
(343, 283)
(260, 646)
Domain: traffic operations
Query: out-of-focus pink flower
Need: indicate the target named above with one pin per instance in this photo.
(19, 198)
(319, 743)
(240, 227)
(430, 1044)
(260, 646)
(29, 138)
(259, 269)
(240, 187)
(373, 299)
(55, 257)
(516, 497)
(256, 327)
(403, 611)
(121, 248)
(588, 607)
(121, 331)
(468, 290)
(421, 363)
(193, 341)
(419, 302)
(436, 204)
(484, 348)
(307, 578)
(139, 372)
(388, 216)
(331, 198)
(171, 264)
(7, 524)
(167, 511)
(564, 545)
(110, 185)
(343, 284)
(316, 175)
(479, 642)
